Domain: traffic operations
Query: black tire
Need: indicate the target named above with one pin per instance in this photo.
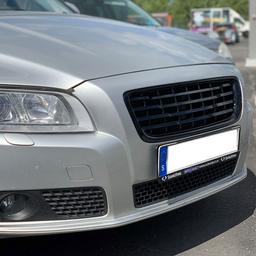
(237, 38)
(246, 34)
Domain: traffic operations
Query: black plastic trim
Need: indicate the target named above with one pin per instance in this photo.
(152, 139)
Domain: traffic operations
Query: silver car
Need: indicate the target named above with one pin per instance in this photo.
(128, 11)
(104, 124)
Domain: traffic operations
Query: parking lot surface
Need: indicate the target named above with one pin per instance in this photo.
(224, 224)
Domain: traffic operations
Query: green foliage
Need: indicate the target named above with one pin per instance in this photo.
(153, 5)
(180, 9)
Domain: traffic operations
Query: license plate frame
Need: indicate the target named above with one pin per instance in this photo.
(166, 172)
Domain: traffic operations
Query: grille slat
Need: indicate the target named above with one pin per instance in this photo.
(167, 111)
(175, 94)
(169, 124)
(153, 191)
(77, 203)
(153, 117)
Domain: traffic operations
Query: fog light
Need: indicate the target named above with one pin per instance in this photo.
(15, 207)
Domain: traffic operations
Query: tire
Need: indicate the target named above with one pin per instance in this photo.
(237, 38)
(246, 34)
(233, 38)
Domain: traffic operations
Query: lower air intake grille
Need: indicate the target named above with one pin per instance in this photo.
(77, 203)
(167, 111)
(153, 191)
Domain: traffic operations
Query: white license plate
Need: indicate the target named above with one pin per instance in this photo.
(177, 157)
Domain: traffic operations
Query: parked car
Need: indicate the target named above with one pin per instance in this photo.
(128, 11)
(228, 33)
(34, 5)
(211, 43)
(117, 10)
(105, 123)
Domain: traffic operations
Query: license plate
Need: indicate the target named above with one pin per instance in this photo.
(180, 156)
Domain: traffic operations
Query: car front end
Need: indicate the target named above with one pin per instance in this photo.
(85, 116)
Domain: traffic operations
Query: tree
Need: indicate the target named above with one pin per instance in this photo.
(153, 5)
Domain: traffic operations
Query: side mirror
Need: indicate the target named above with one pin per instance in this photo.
(72, 7)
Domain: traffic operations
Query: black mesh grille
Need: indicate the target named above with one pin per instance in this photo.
(170, 110)
(77, 203)
(154, 191)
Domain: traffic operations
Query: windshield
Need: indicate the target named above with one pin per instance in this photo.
(34, 5)
(138, 16)
(123, 10)
(201, 18)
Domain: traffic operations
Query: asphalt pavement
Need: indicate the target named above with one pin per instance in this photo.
(224, 224)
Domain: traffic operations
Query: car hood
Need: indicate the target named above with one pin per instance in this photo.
(62, 51)
(210, 43)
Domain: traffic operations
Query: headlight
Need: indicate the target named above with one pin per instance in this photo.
(224, 51)
(42, 112)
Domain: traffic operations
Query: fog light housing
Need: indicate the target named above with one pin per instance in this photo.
(17, 206)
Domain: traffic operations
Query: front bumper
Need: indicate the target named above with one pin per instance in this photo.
(55, 227)
(115, 155)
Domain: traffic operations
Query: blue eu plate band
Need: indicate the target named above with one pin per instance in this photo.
(163, 161)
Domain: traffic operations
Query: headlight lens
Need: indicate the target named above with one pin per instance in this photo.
(42, 112)
(224, 51)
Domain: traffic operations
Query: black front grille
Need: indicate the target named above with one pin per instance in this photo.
(170, 110)
(77, 203)
(153, 191)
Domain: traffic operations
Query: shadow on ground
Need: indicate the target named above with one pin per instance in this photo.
(168, 234)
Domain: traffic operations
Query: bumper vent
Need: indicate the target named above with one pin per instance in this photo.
(167, 111)
(153, 191)
(77, 203)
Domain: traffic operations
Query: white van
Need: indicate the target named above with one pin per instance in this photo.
(206, 18)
